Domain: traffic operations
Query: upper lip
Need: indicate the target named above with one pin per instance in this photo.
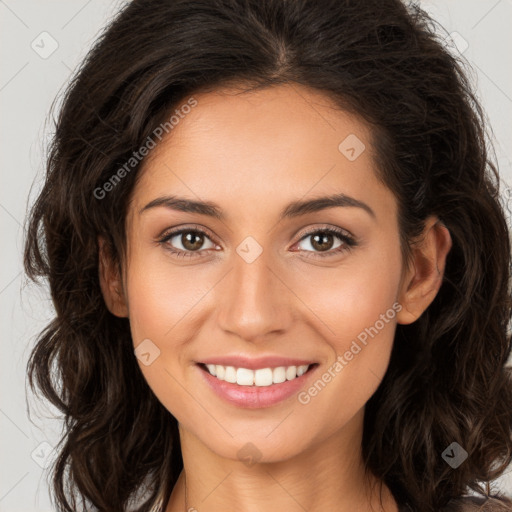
(254, 363)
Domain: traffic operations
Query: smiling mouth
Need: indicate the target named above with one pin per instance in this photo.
(262, 377)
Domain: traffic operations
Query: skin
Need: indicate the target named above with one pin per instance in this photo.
(252, 154)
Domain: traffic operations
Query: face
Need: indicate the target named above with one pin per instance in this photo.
(253, 280)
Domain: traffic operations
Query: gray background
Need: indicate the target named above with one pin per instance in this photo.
(30, 79)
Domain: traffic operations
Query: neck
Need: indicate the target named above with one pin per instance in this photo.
(329, 475)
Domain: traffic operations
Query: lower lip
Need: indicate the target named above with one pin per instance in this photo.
(254, 397)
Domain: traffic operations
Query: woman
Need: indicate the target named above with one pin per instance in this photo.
(279, 266)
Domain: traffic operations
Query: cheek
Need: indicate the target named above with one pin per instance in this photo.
(359, 305)
(160, 297)
(162, 304)
(352, 297)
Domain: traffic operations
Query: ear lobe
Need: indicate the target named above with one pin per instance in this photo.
(423, 280)
(110, 282)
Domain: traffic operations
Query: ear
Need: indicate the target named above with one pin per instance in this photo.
(424, 277)
(111, 282)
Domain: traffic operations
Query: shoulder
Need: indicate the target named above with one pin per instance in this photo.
(481, 504)
(473, 504)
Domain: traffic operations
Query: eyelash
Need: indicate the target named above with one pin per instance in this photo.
(348, 241)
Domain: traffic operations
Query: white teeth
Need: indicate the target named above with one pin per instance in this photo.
(230, 375)
(220, 371)
(301, 370)
(244, 377)
(279, 374)
(262, 377)
(291, 372)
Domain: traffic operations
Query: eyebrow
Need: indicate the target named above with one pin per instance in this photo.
(292, 210)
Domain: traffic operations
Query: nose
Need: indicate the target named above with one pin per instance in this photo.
(254, 302)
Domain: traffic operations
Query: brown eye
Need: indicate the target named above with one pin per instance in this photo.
(191, 240)
(324, 241)
(186, 242)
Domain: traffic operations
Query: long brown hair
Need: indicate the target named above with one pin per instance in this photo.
(447, 379)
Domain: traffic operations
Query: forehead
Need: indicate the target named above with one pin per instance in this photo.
(260, 149)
